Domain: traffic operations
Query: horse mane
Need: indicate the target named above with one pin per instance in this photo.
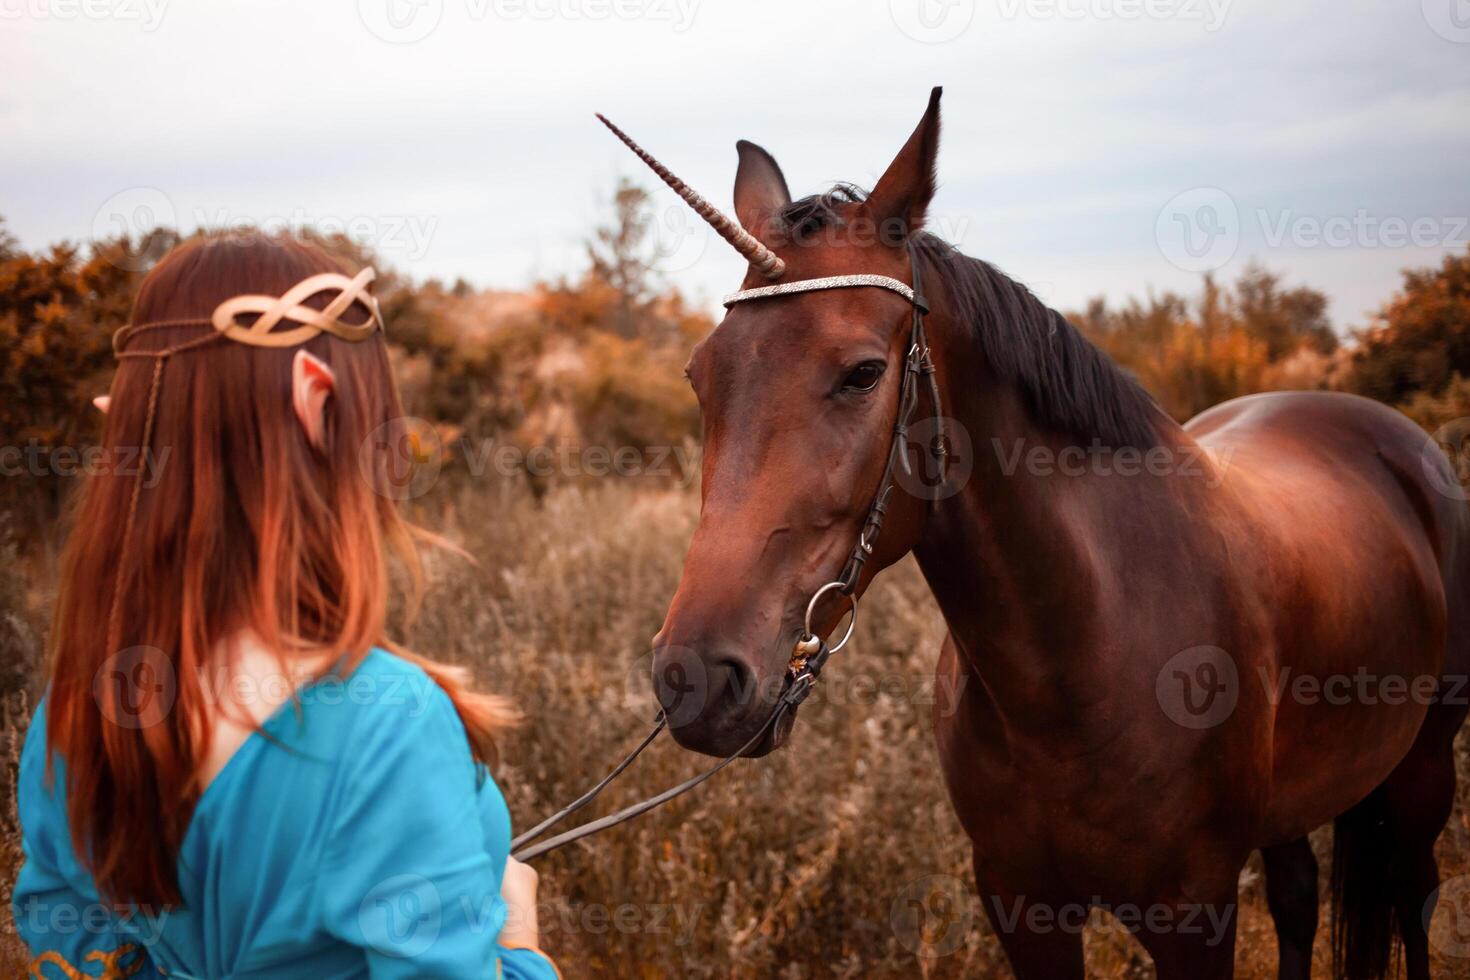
(1067, 383)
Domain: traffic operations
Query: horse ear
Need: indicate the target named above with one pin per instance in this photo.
(760, 187)
(903, 193)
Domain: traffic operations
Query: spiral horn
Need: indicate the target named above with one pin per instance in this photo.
(764, 260)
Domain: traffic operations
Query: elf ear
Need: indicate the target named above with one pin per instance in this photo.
(103, 403)
(312, 384)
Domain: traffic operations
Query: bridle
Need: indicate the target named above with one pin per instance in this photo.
(811, 652)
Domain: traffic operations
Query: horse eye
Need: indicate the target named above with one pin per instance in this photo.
(864, 377)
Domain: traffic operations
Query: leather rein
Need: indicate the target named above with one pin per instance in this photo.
(811, 652)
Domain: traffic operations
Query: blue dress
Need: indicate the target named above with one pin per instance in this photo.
(359, 839)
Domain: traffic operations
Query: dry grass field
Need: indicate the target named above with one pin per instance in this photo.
(810, 863)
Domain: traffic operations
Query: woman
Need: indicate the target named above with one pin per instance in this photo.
(231, 774)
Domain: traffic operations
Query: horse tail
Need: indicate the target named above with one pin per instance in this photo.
(1363, 916)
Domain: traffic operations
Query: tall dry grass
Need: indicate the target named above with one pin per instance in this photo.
(837, 857)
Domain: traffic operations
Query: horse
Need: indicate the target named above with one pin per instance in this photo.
(1174, 645)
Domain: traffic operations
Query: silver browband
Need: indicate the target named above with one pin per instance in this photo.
(830, 282)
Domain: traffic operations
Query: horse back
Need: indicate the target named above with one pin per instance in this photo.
(1355, 539)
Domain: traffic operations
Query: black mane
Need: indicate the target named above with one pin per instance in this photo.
(1068, 384)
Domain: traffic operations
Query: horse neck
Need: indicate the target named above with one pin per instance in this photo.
(1024, 560)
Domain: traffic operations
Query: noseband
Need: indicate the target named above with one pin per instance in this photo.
(811, 652)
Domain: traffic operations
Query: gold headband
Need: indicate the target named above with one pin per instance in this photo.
(272, 310)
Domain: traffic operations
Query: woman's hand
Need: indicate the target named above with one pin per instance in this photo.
(518, 890)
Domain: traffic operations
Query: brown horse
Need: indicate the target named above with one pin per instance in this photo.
(1180, 643)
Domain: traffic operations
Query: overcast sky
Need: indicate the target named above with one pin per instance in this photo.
(1091, 147)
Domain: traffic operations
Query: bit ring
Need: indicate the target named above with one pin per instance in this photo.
(811, 607)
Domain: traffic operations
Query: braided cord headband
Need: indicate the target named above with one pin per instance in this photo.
(272, 310)
(829, 282)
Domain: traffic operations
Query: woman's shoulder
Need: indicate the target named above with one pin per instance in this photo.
(385, 682)
(384, 698)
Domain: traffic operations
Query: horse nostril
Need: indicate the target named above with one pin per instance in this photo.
(703, 690)
(683, 685)
(738, 682)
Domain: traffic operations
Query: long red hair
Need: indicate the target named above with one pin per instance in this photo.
(241, 524)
